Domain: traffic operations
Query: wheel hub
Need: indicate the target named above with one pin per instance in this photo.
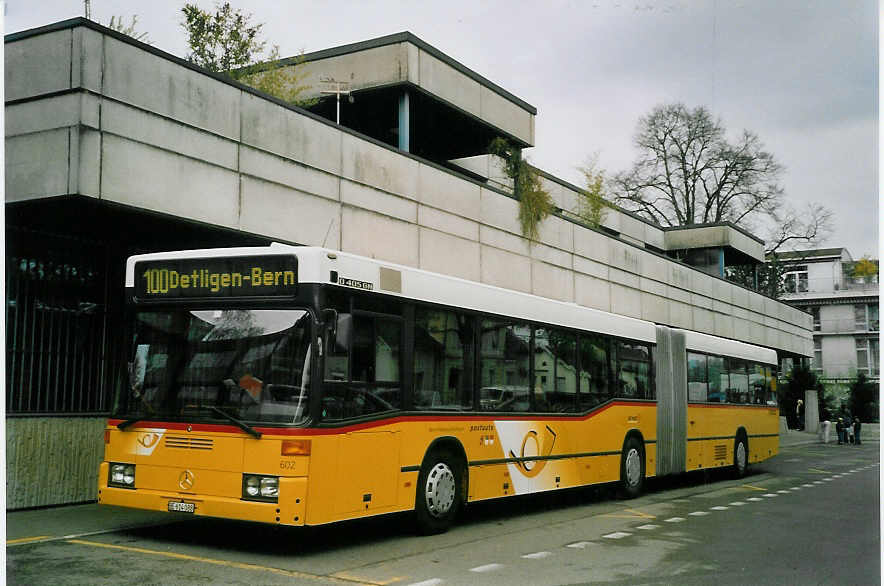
(633, 467)
(741, 456)
(440, 490)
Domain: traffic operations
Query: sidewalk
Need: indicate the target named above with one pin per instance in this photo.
(871, 432)
(69, 522)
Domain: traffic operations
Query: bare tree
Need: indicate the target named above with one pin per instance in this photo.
(688, 172)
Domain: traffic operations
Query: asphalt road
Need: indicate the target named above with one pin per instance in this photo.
(809, 516)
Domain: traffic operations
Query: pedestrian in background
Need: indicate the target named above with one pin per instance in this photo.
(857, 427)
(839, 427)
(848, 429)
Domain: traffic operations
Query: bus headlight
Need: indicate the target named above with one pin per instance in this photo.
(121, 475)
(260, 488)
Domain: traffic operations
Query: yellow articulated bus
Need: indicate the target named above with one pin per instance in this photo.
(303, 386)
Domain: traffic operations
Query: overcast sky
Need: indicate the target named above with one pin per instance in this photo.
(802, 74)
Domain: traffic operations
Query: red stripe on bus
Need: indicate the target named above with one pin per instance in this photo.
(210, 427)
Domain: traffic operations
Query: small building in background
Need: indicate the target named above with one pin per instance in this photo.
(841, 294)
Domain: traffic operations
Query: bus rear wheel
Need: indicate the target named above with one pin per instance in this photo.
(632, 468)
(439, 494)
(741, 457)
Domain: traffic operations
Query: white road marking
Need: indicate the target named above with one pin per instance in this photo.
(698, 514)
(769, 495)
(720, 508)
(681, 501)
(817, 481)
(579, 545)
(784, 491)
(754, 499)
(676, 520)
(486, 568)
(807, 485)
(430, 582)
(648, 527)
(537, 555)
(617, 535)
(737, 504)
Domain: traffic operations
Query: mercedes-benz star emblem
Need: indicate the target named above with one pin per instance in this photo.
(186, 480)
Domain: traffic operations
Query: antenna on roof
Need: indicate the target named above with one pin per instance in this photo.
(340, 87)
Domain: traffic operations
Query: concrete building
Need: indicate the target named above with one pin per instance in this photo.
(114, 148)
(844, 309)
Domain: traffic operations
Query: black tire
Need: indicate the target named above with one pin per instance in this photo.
(741, 456)
(439, 492)
(632, 468)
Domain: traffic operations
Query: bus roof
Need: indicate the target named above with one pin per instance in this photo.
(331, 267)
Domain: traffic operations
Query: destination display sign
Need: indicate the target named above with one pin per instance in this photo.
(210, 278)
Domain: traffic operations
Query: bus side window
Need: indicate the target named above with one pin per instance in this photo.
(555, 370)
(443, 360)
(633, 379)
(594, 374)
(697, 379)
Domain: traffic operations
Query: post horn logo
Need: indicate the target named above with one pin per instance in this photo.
(186, 480)
(148, 439)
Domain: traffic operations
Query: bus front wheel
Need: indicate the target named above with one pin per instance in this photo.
(632, 468)
(438, 492)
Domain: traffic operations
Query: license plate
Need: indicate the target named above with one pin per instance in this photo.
(175, 507)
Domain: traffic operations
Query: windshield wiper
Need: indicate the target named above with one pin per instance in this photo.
(123, 425)
(240, 424)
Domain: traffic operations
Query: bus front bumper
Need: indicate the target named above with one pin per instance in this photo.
(290, 510)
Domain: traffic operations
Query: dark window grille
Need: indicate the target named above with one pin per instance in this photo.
(56, 311)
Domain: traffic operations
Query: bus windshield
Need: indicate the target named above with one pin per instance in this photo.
(214, 365)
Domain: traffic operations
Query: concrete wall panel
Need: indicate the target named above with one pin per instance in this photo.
(376, 236)
(450, 255)
(37, 165)
(89, 173)
(552, 255)
(504, 240)
(448, 223)
(655, 308)
(447, 192)
(558, 232)
(592, 292)
(272, 210)
(37, 65)
(441, 79)
(505, 269)
(280, 170)
(372, 67)
(49, 114)
(507, 116)
(724, 325)
(626, 300)
(75, 450)
(160, 132)
(142, 176)
(592, 245)
(681, 315)
(704, 320)
(378, 201)
(552, 281)
(590, 267)
(272, 128)
(499, 212)
(87, 59)
(148, 81)
(376, 166)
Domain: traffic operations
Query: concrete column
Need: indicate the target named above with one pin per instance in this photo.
(404, 121)
(811, 411)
